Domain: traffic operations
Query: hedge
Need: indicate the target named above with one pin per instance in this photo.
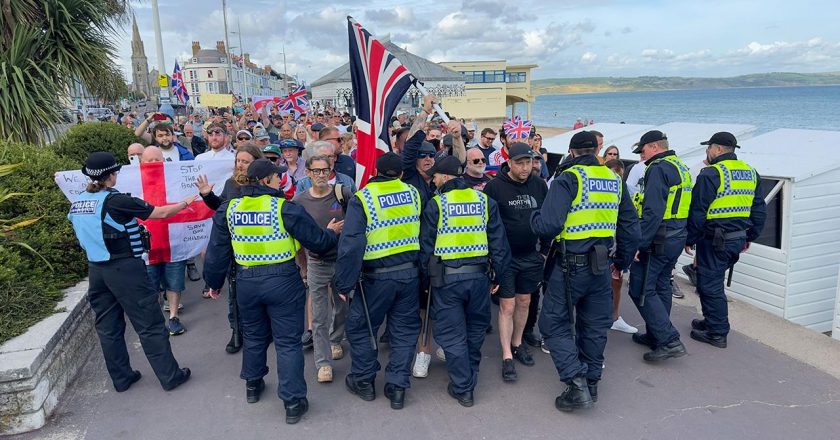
(29, 289)
(85, 138)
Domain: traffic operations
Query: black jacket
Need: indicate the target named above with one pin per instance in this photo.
(517, 201)
(410, 173)
(659, 177)
(704, 193)
(549, 221)
(296, 220)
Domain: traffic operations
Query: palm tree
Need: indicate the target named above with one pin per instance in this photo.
(44, 45)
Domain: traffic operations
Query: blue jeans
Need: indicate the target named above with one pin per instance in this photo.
(170, 275)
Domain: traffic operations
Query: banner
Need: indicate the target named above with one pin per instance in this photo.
(216, 99)
(163, 81)
(260, 101)
(181, 236)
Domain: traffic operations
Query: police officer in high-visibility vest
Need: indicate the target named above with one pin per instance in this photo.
(381, 240)
(727, 213)
(586, 208)
(105, 222)
(262, 232)
(462, 238)
(663, 203)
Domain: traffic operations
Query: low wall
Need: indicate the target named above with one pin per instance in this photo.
(37, 366)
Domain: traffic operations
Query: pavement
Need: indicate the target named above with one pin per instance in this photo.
(748, 391)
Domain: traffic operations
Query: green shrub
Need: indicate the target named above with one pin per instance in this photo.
(86, 138)
(29, 289)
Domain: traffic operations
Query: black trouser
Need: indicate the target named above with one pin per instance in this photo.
(122, 286)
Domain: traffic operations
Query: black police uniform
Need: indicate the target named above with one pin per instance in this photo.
(713, 260)
(390, 286)
(591, 294)
(461, 307)
(661, 243)
(271, 298)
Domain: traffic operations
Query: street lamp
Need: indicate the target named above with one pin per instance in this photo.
(285, 73)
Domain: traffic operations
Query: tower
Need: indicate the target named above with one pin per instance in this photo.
(139, 63)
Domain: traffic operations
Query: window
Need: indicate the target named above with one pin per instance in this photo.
(482, 76)
(209, 74)
(498, 76)
(195, 60)
(194, 88)
(516, 77)
(192, 75)
(772, 234)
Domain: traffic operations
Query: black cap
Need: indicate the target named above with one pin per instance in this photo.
(651, 136)
(262, 168)
(583, 139)
(447, 140)
(389, 165)
(99, 165)
(449, 165)
(519, 150)
(317, 126)
(426, 147)
(724, 138)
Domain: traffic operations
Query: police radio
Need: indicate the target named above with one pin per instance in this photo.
(145, 238)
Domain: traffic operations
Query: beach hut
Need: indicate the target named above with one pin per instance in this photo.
(560, 144)
(683, 137)
(792, 269)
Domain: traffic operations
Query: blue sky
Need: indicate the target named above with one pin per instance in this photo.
(566, 38)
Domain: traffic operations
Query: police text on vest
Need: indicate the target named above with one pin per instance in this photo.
(252, 218)
(463, 209)
(83, 207)
(394, 199)
(603, 185)
(742, 175)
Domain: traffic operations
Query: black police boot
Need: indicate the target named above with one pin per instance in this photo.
(522, 354)
(235, 343)
(718, 341)
(592, 384)
(396, 395)
(135, 376)
(362, 388)
(673, 349)
(465, 398)
(253, 390)
(698, 324)
(183, 377)
(644, 339)
(295, 409)
(575, 397)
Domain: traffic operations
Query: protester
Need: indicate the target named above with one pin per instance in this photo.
(243, 136)
(326, 149)
(342, 163)
(219, 143)
(134, 152)
(611, 153)
(474, 175)
(172, 152)
(290, 150)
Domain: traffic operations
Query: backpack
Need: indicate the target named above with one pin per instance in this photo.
(343, 196)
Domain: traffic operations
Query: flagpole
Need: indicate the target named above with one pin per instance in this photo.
(438, 109)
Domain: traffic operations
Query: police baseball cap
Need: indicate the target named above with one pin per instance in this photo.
(583, 139)
(99, 165)
(262, 168)
(389, 165)
(426, 147)
(519, 150)
(649, 137)
(449, 165)
(272, 148)
(723, 138)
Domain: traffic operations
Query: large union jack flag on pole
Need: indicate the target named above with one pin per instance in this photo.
(379, 83)
(296, 102)
(177, 84)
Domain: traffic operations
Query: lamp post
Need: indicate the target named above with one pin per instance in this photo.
(227, 45)
(165, 106)
(285, 73)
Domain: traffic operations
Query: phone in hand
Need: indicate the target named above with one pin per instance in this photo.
(134, 159)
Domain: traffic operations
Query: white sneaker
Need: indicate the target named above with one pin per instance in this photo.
(440, 354)
(421, 365)
(544, 348)
(621, 326)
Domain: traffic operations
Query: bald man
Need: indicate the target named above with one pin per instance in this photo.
(135, 150)
(151, 154)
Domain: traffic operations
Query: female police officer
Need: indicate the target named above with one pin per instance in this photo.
(105, 224)
(260, 230)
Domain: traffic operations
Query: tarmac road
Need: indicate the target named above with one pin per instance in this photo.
(747, 391)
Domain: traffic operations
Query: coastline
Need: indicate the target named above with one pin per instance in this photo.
(537, 93)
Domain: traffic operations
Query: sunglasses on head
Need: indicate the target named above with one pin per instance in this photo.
(426, 155)
(478, 161)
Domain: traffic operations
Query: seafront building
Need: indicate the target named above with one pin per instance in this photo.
(491, 88)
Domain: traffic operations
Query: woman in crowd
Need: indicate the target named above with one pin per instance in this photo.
(611, 153)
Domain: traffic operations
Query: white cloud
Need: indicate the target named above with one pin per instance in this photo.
(588, 58)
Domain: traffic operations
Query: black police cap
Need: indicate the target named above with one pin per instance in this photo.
(389, 165)
(724, 138)
(583, 139)
(449, 165)
(647, 138)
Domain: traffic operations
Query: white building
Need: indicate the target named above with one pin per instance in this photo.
(207, 72)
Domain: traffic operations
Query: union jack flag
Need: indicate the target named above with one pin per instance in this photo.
(177, 84)
(379, 82)
(296, 102)
(516, 128)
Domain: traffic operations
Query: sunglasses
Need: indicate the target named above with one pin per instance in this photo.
(489, 138)
(243, 138)
(478, 161)
(425, 155)
(272, 158)
(216, 132)
(612, 154)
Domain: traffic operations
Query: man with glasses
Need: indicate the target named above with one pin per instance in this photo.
(474, 175)
(243, 136)
(343, 163)
(326, 149)
(219, 143)
(485, 143)
(261, 137)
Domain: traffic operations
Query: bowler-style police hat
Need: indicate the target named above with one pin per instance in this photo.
(99, 165)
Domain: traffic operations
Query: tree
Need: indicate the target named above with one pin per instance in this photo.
(44, 44)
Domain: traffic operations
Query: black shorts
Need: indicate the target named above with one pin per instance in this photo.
(523, 276)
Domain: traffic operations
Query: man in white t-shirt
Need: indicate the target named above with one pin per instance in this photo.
(218, 143)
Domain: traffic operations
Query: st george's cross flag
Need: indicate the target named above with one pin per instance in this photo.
(379, 82)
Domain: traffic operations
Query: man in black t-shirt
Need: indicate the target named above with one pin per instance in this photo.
(474, 174)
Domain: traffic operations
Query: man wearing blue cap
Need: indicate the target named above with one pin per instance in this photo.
(727, 214)
(586, 208)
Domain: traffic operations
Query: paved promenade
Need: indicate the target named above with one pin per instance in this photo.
(748, 391)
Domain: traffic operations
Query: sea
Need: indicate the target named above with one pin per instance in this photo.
(768, 108)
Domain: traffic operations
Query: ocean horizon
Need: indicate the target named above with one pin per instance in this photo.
(768, 108)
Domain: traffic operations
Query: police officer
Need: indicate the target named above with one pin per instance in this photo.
(461, 236)
(586, 206)
(663, 207)
(381, 239)
(262, 232)
(105, 222)
(726, 215)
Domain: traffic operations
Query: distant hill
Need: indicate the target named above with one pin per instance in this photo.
(560, 86)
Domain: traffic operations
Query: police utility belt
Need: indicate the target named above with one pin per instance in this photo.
(597, 259)
(389, 269)
(657, 247)
(719, 238)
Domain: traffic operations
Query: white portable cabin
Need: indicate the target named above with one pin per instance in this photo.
(792, 269)
(683, 137)
(560, 144)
